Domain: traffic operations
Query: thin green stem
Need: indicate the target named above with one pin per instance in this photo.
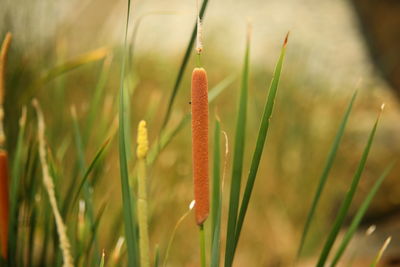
(198, 60)
(202, 246)
(173, 235)
(142, 215)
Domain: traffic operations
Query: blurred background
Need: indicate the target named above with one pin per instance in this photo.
(335, 47)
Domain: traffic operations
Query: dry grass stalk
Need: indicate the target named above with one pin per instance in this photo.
(49, 186)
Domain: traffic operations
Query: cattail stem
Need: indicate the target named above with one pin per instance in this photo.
(202, 246)
(200, 143)
(178, 223)
(141, 152)
(198, 60)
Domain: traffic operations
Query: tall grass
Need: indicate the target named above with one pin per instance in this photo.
(59, 224)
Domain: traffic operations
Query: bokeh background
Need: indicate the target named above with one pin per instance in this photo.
(328, 59)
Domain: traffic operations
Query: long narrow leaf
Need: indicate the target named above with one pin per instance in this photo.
(89, 170)
(86, 186)
(359, 215)
(325, 173)
(237, 161)
(77, 62)
(348, 199)
(97, 96)
(157, 256)
(262, 135)
(216, 188)
(130, 233)
(221, 86)
(14, 190)
(216, 199)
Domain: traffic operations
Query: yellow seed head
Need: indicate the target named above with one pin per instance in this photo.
(142, 140)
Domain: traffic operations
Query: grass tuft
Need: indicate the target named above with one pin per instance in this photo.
(348, 198)
(325, 173)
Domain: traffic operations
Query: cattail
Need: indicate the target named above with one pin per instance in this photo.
(4, 202)
(3, 58)
(141, 152)
(4, 198)
(142, 140)
(200, 143)
(81, 221)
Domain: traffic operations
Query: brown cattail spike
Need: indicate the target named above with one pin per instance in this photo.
(3, 58)
(4, 202)
(200, 143)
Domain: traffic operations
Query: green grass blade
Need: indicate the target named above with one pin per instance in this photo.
(14, 190)
(348, 199)
(130, 233)
(359, 215)
(216, 231)
(95, 102)
(262, 135)
(237, 166)
(89, 170)
(165, 139)
(86, 186)
(216, 241)
(216, 188)
(94, 231)
(325, 173)
(102, 259)
(183, 65)
(220, 87)
(81, 60)
(157, 256)
(171, 239)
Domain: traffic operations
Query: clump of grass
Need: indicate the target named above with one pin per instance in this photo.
(348, 198)
(325, 173)
(127, 201)
(136, 231)
(358, 217)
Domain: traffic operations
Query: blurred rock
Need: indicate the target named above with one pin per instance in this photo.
(380, 23)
